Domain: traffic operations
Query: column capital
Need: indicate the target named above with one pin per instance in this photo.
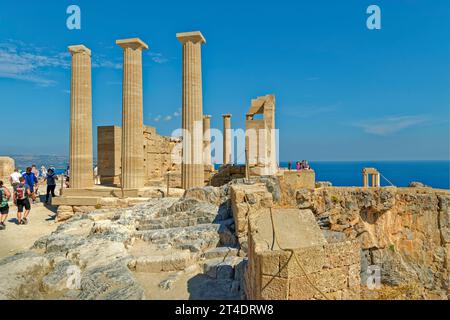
(133, 43)
(226, 115)
(79, 49)
(194, 36)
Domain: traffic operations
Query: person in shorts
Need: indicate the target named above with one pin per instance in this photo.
(5, 195)
(32, 182)
(14, 178)
(22, 195)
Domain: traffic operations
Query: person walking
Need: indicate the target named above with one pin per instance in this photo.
(5, 195)
(43, 171)
(21, 197)
(35, 171)
(51, 178)
(289, 166)
(32, 182)
(298, 166)
(14, 178)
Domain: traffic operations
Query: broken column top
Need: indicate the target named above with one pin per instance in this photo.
(195, 36)
(134, 43)
(206, 116)
(226, 115)
(79, 48)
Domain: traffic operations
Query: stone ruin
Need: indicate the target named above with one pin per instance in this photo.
(272, 236)
(371, 172)
(158, 157)
(7, 166)
(261, 137)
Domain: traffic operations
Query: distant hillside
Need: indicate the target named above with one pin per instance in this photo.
(23, 161)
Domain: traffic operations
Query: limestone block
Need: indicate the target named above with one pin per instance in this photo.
(274, 288)
(312, 260)
(177, 261)
(247, 200)
(64, 213)
(83, 209)
(7, 166)
(341, 254)
(301, 289)
(329, 280)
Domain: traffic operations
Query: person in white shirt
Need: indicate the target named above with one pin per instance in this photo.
(14, 178)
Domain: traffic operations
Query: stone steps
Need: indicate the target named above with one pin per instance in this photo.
(163, 262)
(195, 238)
(177, 220)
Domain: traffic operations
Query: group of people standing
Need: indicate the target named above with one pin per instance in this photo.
(25, 188)
(299, 165)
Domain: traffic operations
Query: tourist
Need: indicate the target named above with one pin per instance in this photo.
(289, 166)
(21, 199)
(35, 171)
(5, 195)
(297, 165)
(43, 171)
(32, 182)
(96, 176)
(14, 178)
(51, 178)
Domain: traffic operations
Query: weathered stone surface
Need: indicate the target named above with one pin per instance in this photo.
(7, 166)
(289, 258)
(401, 230)
(20, 276)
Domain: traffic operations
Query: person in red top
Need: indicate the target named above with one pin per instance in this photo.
(21, 198)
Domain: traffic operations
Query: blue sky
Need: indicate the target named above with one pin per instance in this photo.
(343, 92)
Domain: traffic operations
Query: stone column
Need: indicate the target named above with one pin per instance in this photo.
(207, 140)
(226, 138)
(192, 168)
(132, 114)
(81, 167)
(365, 180)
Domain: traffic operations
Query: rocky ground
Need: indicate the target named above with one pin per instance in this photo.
(187, 248)
(165, 248)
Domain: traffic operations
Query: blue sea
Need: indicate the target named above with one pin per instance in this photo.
(435, 174)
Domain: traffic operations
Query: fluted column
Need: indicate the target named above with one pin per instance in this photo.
(226, 138)
(132, 114)
(207, 140)
(192, 168)
(81, 168)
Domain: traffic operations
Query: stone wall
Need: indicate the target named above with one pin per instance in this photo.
(302, 179)
(403, 231)
(7, 166)
(226, 174)
(109, 154)
(158, 159)
(298, 263)
(248, 200)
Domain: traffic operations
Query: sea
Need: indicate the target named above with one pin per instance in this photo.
(435, 174)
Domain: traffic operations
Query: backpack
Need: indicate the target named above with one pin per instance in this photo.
(21, 192)
(3, 200)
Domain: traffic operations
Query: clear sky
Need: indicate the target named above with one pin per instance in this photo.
(343, 92)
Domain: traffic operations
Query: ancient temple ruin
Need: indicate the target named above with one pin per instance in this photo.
(261, 133)
(371, 172)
